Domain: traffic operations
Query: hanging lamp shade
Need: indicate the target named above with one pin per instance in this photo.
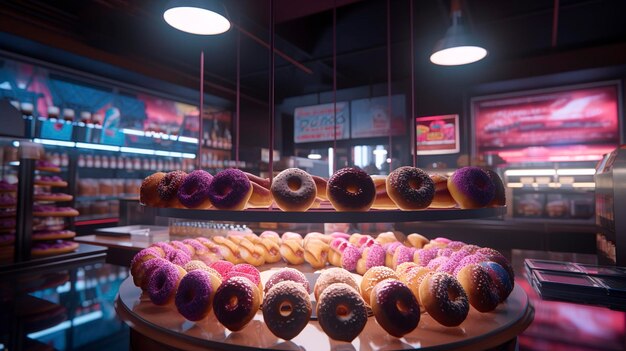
(457, 47)
(203, 17)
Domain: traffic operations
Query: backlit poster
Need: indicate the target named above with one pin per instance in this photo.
(317, 123)
(436, 135)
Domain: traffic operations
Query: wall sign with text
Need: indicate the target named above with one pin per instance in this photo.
(436, 135)
(317, 123)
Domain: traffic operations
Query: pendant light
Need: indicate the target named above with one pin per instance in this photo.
(457, 47)
(203, 17)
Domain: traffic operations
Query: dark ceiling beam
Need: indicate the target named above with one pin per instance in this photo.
(287, 10)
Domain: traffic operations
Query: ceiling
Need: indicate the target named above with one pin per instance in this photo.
(133, 35)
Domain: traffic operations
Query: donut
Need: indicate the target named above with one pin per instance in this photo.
(365, 241)
(292, 251)
(372, 256)
(444, 299)
(500, 278)
(144, 270)
(316, 253)
(51, 181)
(143, 256)
(442, 198)
(390, 251)
(268, 234)
(416, 240)
(471, 187)
(249, 270)
(337, 246)
(236, 302)
(261, 197)
(467, 260)
(165, 247)
(482, 292)
(386, 238)
(351, 189)
(222, 267)
(168, 188)
(178, 257)
(317, 236)
(331, 276)
(40, 249)
(382, 201)
(293, 190)
(456, 245)
(195, 265)
(164, 282)
(350, 257)
(271, 250)
(436, 262)
(288, 274)
(404, 268)
(410, 188)
(250, 253)
(230, 190)
(6, 187)
(53, 235)
(194, 297)
(320, 185)
(264, 182)
(49, 197)
(494, 255)
(340, 235)
(286, 309)
(179, 245)
(228, 249)
(413, 279)
(499, 198)
(47, 166)
(194, 191)
(374, 276)
(53, 211)
(341, 312)
(402, 254)
(395, 308)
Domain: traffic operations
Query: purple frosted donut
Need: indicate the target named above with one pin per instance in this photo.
(471, 187)
(194, 191)
(169, 185)
(469, 259)
(470, 248)
(163, 283)
(403, 254)
(449, 265)
(351, 189)
(230, 190)
(178, 257)
(179, 245)
(164, 246)
(375, 256)
(424, 256)
(341, 312)
(193, 297)
(144, 255)
(145, 271)
(395, 307)
(286, 309)
(436, 262)
(293, 190)
(197, 246)
(410, 188)
(459, 255)
(500, 278)
(236, 302)
(499, 198)
(350, 257)
(455, 245)
(288, 274)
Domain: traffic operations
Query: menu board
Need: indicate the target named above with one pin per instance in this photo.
(436, 135)
(570, 116)
(370, 117)
(317, 123)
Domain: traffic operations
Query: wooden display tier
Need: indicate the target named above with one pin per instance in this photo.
(163, 328)
(329, 215)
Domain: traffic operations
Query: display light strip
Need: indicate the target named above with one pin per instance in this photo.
(550, 172)
(123, 149)
(576, 171)
(182, 139)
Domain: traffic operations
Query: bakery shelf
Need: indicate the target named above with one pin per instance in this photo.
(329, 215)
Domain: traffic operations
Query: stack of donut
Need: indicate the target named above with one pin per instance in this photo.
(400, 280)
(348, 189)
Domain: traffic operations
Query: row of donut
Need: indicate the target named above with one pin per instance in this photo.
(395, 296)
(348, 189)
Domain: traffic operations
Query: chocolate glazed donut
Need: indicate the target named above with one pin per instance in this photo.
(410, 188)
(351, 189)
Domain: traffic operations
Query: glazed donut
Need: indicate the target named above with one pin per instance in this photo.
(372, 256)
(316, 253)
(500, 278)
(351, 189)
(482, 292)
(331, 276)
(230, 190)
(194, 297)
(471, 187)
(286, 309)
(293, 190)
(413, 279)
(444, 299)
(168, 188)
(164, 282)
(395, 307)
(337, 246)
(292, 251)
(247, 271)
(293, 236)
(374, 276)
(390, 251)
(261, 197)
(416, 240)
(271, 250)
(382, 201)
(264, 182)
(410, 188)
(228, 249)
(194, 191)
(499, 198)
(341, 312)
(317, 236)
(213, 248)
(236, 302)
(288, 274)
(251, 253)
(442, 198)
(404, 268)
(386, 238)
(268, 234)
(320, 185)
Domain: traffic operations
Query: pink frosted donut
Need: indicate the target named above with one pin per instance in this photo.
(164, 283)
(424, 256)
(194, 191)
(391, 247)
(456, 245)
(287, 274)
(247, 269)
(341, 235)
(471, 187)
(164, 246)
(375, 256)
(365, 241)
(441, 240)
(182, 247)
(178, 257)
(436, 262)
(403, 254)
(339, 244)
(198, 247)
(449, 265)
(445, 252)
(230, 190)
(222, 267)
(467, 260)
(143, 256)
(350, 257)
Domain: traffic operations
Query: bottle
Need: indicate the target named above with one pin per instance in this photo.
(53, 112)
(89, 161)
(97, 161)
(120, 162)
(68, 115)
(81, 161)
(27, 109)
(85, 117)
(65, 159)
(105, 161)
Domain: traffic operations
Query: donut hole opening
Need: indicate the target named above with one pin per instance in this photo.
(402, 307)
(233, 302)
(285, 309)
(160, 282)
(343, 312)
(352, 189)
(224, 190)
(453, 294)
(294, 183)
(188, 296)
(414, 184)
(191, 189)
